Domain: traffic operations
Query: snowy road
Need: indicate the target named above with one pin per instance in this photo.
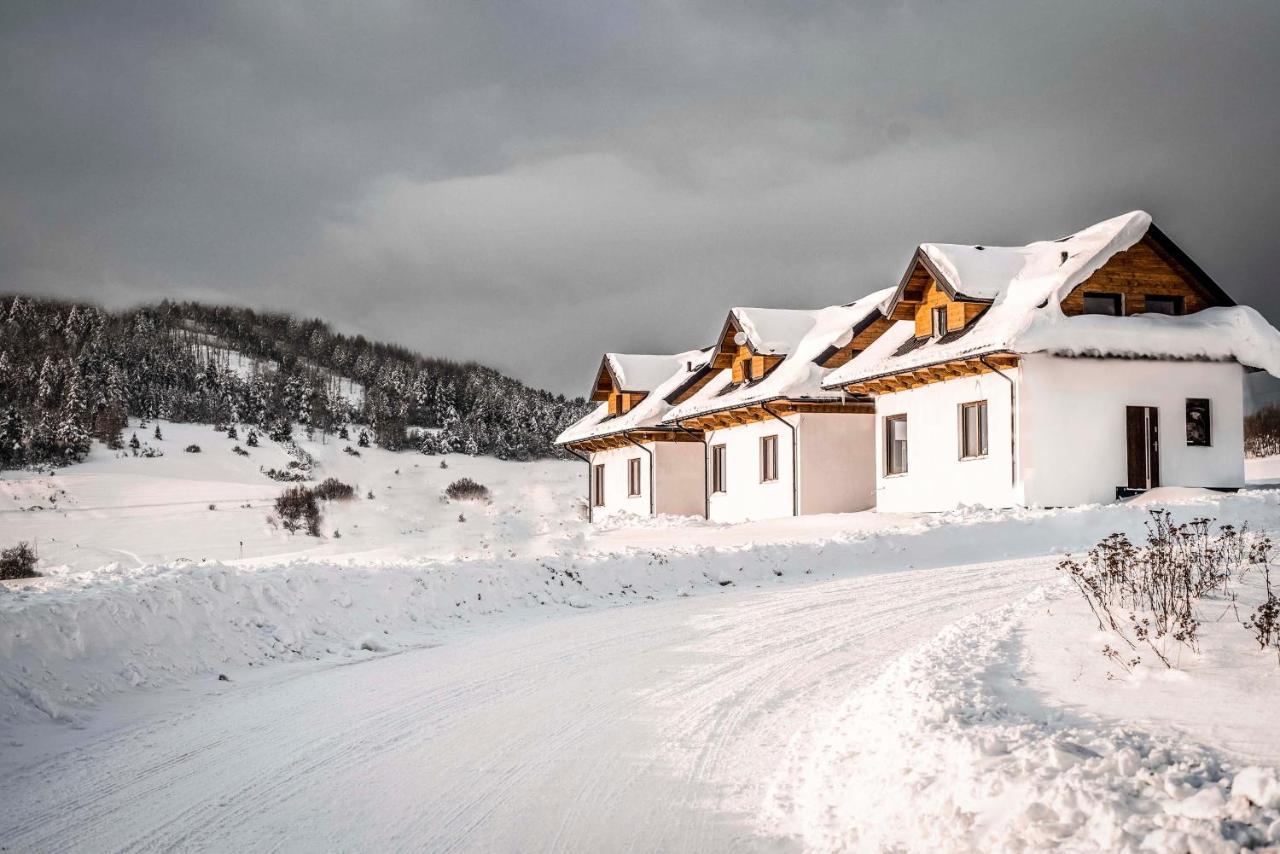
(650, 728)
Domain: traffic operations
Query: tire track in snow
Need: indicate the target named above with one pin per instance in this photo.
(648, 728)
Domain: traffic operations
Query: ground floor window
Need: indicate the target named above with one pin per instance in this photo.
(973, 430)
(1096, 303)
(768, 458)
(597, 485)
(1198, 422)
(633, 476)
(895, 444)
(718, 483)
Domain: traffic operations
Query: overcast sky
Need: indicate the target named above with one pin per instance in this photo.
(529, 184)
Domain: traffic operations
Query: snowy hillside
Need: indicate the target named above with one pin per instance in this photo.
(527, 679)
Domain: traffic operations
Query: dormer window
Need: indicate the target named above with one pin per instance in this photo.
(939, 322)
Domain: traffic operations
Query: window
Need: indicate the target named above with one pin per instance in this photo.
(768, 458)
(895, 444)
(1112, 304)
(940, 321)
(1198, 422)
(747, 372)
(633, 476)
(597, 486)
(973, 430)
(1162, 304)
(717, 469)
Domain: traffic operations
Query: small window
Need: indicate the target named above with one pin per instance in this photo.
(895, 444)
(1162, 304)
(940, 321)
(718, 469)
(1199, 428)
(633, 476)
(973, 430)
(1112, 304)
(748, 374)
(768, 458)
(597, 485)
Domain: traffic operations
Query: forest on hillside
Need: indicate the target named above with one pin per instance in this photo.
(71, 372)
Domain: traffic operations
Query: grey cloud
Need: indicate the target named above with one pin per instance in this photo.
(528, 184)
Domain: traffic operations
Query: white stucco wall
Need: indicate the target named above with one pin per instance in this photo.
(678, 466)
(936, 477)
(616, 499)
(836, 470)
(680, 478)
(1073, 424)
(837, 463)
(746, 497)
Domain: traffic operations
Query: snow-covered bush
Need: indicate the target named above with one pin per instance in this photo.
(350, 451)
(192, 449)
(285, 475)
(1149, 595)
(239, 451)
(466, 489)
(18, 562)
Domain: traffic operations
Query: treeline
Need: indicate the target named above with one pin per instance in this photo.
(72, 372)
(1262, 432)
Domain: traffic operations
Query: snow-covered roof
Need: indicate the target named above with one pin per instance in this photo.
(643, 375)
(772, 331)
(1026, 286)
(638, 373)
(798, 376)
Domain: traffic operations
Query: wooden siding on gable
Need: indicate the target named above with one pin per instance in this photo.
(959, 312)
(1138, 271)
(620, 403)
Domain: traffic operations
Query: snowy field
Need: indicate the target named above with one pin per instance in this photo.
(198, 679)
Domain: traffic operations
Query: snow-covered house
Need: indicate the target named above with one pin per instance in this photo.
(775, 442)
(1057, 373)
(637, 464)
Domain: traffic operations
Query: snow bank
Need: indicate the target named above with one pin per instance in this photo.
(947, 752)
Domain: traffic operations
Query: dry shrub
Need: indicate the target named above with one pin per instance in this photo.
(466, 489)
(299, 511)
(18, 562)
(332, 489)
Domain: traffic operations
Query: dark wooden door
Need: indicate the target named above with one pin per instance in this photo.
(1142, 425)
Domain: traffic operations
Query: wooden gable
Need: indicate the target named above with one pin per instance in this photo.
(1151, 267)
(922, 290)
(745, 362)
(606, 389)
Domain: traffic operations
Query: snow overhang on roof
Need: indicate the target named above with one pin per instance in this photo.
(799, 376)
(1026, 286)
(655, 376)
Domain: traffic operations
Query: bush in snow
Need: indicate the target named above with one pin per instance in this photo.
(285, 475)
(444, 464)
(192, 449)
(350, 451)
(332, 489)
(252, 439)
(1262, 432)
(1265, 621)
(231, 432)
(159, 436)
(298, 510)
(1149, 595)
(466, 489)
(240, 451)
(18, 562)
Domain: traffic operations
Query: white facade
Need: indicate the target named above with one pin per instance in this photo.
(677, 486)
(937, 478)
(1072, 413)
(1071, 442)
(835, 461)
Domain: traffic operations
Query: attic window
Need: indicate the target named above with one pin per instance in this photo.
(1110, 304)
(939, 321)
(1162, 304)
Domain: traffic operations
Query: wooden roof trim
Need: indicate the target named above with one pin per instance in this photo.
(921, 259)
(724, 332)
(603, 371)
(1173, 253)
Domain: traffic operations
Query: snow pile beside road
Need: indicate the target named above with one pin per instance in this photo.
(942, 752)
(67, 643)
